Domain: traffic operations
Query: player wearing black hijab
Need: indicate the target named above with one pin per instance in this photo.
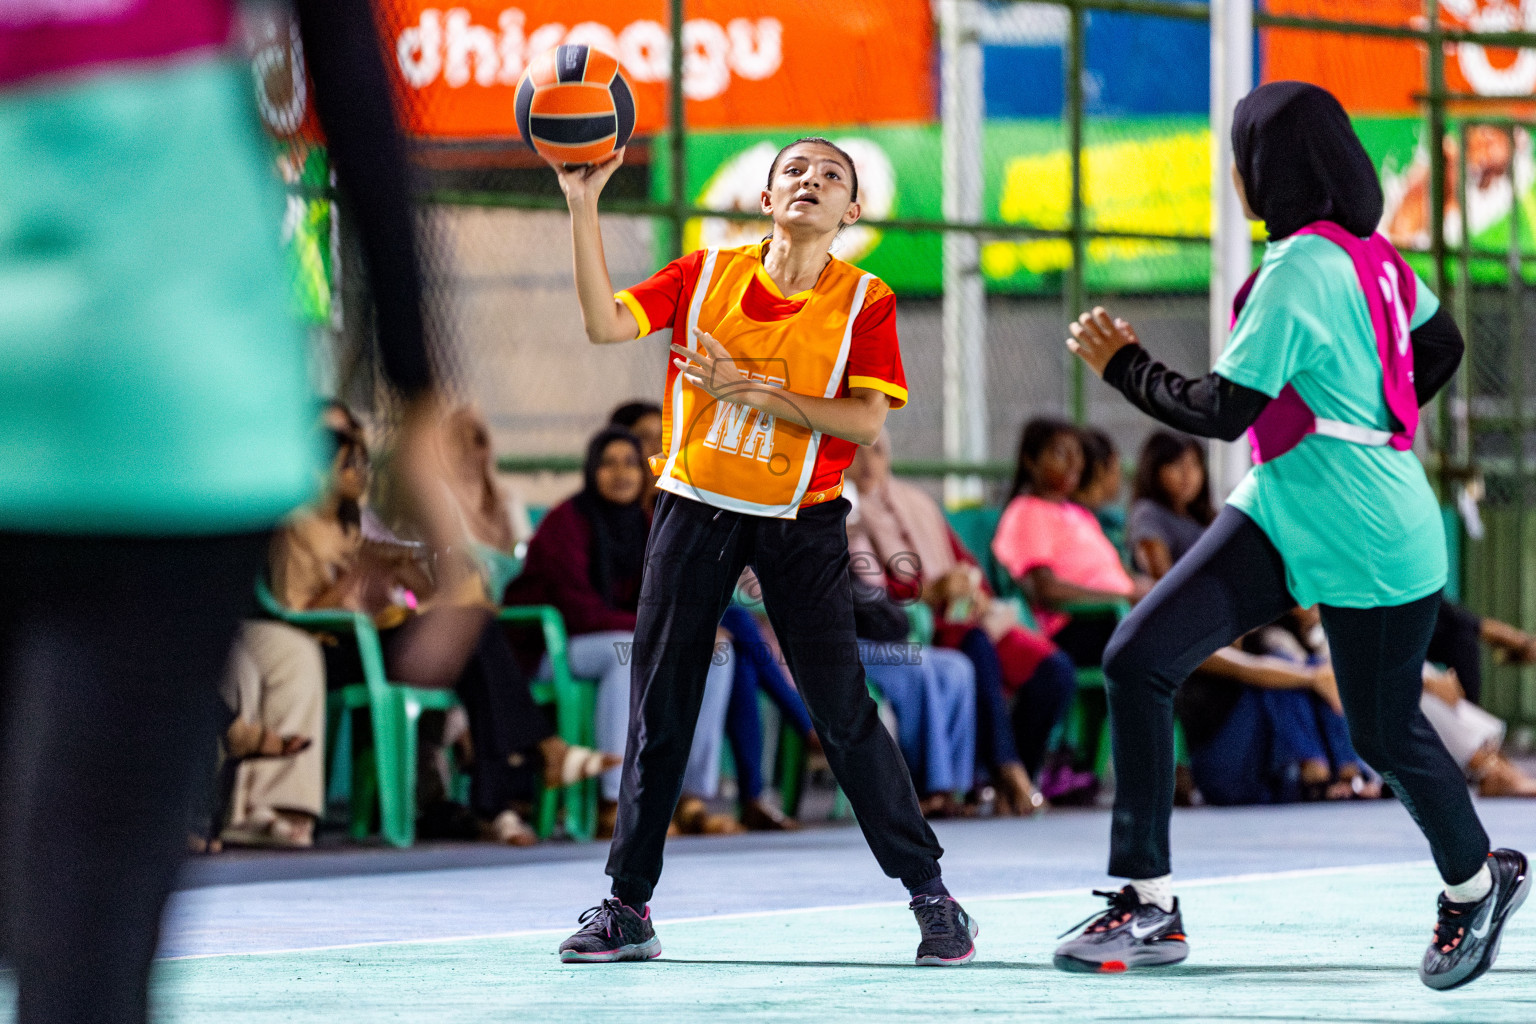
(1335, 345)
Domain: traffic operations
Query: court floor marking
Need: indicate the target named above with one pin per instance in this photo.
(1256, 876)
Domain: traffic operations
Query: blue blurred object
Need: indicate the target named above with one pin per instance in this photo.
(1134, 65)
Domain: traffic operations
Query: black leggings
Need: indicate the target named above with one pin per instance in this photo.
(111, 651)
(692, 561)
(1231, 582)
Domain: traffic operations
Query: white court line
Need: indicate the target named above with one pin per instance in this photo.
(1258, 876)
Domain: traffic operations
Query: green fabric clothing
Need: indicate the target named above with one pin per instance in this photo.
(1358, 526)
(153, 377)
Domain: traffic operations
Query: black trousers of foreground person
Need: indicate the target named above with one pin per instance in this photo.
(111, 651)
(692, 562)
(1233, 581)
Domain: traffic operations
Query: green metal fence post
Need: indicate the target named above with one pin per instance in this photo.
(677, 153)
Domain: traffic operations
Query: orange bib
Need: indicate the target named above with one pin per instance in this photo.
(734, 457)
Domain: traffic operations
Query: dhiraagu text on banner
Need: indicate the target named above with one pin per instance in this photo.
(1140, 175)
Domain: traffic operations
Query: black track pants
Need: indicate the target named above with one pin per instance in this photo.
(692, 562)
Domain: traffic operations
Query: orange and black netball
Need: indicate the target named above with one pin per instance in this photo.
(574, 105)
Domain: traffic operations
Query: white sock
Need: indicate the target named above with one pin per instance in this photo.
(1472, 890)
(1159, 891)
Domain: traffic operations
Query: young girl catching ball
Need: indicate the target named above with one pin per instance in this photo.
(785, 360)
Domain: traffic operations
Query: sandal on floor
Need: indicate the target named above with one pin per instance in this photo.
(509, 829)
(277, 833)
(582, 763)
(244, 740)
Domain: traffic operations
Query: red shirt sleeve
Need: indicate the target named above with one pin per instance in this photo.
(657, 301)
(874, 357)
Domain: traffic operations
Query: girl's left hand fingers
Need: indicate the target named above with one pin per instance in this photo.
(710, 345)
(689, 354)
(1103, 321)
(1088, 331)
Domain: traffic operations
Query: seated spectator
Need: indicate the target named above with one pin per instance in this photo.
(586, 560)
(276, 688)
(1055, 548)
(931, 691)
(643, 419)
(1474, 738)
(1099, 489)
(494, 524)
(1266, 726)
(1170, 502)
(758, 668)
(320, 559)
(921, 558)
(1458, 640)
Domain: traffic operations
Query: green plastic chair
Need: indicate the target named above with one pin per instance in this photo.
(575, 703)
(386, 771)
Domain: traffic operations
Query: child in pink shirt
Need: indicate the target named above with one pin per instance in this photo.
(1055, 548)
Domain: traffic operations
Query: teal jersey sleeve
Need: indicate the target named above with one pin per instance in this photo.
(1269, 345)
(1426, 304)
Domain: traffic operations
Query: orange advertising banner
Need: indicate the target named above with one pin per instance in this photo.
(747, 63)
(1381, 76)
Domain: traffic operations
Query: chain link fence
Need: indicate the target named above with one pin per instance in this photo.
(1084, 183)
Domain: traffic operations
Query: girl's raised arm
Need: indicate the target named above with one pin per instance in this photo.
(606, 319)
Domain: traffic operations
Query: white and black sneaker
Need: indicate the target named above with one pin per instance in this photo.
(1467, 935)
(611, 932)
(1127, 935)
(947, 929)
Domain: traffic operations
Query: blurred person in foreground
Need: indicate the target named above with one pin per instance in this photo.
(156, 421)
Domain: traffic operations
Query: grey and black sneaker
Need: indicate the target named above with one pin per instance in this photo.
(1127, 935)
(611, 932)
(1467, 935)
(947, 932)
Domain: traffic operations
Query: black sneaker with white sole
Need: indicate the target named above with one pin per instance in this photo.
(1127, 935)
(1467, 935)
(611, 932)
(947, 932)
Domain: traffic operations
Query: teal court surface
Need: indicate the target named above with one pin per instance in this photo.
(1303, 913)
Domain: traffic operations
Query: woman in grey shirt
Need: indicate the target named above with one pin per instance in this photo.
(1171, 504)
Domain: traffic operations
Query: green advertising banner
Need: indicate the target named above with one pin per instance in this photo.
(1140, 175)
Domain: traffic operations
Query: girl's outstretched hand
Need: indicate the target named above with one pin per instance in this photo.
(1096, 337)
(711, 370)
(582, 184)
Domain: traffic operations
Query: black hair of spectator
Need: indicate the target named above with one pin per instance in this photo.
(1033, 439)
(1098, 452)
(1163, 448)
(348, 512)
(630, 413)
